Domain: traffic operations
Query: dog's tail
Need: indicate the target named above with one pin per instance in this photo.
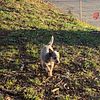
(51, 41)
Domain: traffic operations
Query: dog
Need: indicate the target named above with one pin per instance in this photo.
(49, 57)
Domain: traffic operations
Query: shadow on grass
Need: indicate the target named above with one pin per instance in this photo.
(40, 36)
(21, 48)
(21, 41)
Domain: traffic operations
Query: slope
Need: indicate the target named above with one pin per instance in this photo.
(25, 25)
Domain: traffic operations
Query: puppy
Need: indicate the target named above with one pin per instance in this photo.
(49, 57)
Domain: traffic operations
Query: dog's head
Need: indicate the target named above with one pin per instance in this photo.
(54, 56)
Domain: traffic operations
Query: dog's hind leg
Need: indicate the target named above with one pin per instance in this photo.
(42, 63)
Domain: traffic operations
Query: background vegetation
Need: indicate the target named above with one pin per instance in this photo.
(25, 25)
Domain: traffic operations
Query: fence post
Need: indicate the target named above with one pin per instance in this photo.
(80, 9)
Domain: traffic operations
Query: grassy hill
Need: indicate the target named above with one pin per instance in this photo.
(25, 25)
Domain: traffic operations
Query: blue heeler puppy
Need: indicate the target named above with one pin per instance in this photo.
(49, 57)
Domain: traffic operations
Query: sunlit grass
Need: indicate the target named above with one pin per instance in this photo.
(25, 27)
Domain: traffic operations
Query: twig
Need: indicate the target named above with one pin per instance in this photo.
(12, 92)
(54, 90)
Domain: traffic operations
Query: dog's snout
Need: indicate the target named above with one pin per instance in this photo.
(57, 62)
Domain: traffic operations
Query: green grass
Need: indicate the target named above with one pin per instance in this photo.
(24, 27)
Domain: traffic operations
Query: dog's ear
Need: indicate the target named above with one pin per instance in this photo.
(55, 49)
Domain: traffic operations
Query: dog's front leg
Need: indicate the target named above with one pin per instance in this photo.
(48, 69)
(51, 69)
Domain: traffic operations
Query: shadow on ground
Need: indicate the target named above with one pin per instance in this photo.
(76, 77)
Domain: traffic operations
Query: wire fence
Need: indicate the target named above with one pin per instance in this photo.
(85, 10)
